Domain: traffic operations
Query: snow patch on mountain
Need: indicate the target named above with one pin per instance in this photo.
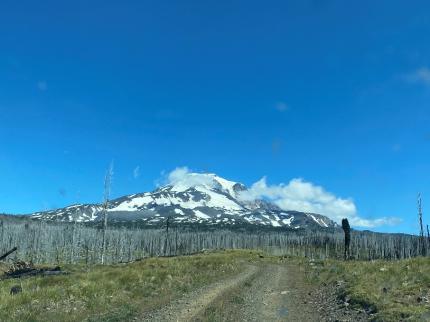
(192, 197)
(319, 221)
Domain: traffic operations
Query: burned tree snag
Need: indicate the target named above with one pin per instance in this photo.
(428, 236)
(108, 181)
(167, 240)
(8, 253)
(347, 230)
(422, 247)
(167, 226)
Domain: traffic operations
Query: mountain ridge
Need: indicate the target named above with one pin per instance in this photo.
(192, 198)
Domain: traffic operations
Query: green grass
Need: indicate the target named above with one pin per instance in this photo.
(122, 292)
(395, 290)
(114, 293)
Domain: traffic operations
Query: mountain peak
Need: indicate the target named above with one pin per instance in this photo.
(190, 197)
(210, 181)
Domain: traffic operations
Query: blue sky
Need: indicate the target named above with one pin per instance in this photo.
(332, 92)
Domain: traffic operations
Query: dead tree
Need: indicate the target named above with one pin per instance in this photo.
(347, 230)
(428, 236)
(75, 219)
(107, 187)
(8, 253)
(167, 240)
(422, 247)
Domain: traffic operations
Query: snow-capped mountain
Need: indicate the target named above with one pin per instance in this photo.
(196, 198)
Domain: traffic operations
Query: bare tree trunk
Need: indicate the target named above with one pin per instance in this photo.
(347, 230)
(428, 238)
(104, 234)
(167, 240)
(108, 181)
(8, 253)
(422, 247)
(72, 259)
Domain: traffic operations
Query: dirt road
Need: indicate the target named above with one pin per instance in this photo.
(263, 292)
(194, 304)
(274, 293)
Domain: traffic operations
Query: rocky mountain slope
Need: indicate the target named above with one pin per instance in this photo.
(201, 198)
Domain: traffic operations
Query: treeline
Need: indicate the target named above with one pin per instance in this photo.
(48, 242)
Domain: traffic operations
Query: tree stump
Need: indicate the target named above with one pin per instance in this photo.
(16, 289)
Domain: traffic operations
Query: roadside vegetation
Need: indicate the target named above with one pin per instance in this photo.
(115, 292)
(388, 290)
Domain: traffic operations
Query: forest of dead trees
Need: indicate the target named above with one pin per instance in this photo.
(39, 241)
(55, 243)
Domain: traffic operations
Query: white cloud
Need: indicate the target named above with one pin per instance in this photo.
(421, 75)
(186, 179)
(297, 195)
(136, 172)
(42, 86)
(305, 196)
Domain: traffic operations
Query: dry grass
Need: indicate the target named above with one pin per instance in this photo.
(114, 293)
(396, 290)
(3, 268)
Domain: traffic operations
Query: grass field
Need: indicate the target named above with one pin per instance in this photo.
(114, 293)
(394, 291)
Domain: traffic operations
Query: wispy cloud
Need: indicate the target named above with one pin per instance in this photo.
(187, 179)
(420, 75)
(281, 107)
(305, 196)
(42, 86)
(136, 172)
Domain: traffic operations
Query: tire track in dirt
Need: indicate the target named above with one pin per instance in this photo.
(278, 292)
(194, 303)
(265, 291)
(273, 294)
(265, 299)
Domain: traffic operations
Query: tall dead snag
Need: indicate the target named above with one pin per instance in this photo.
(75, 219)
(167, 240)
(428, 236)
(422, 246)
(347, 230)
(107, 187)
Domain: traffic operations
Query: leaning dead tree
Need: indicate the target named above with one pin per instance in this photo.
(107, 187)
(8, 253)
(347, 230)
